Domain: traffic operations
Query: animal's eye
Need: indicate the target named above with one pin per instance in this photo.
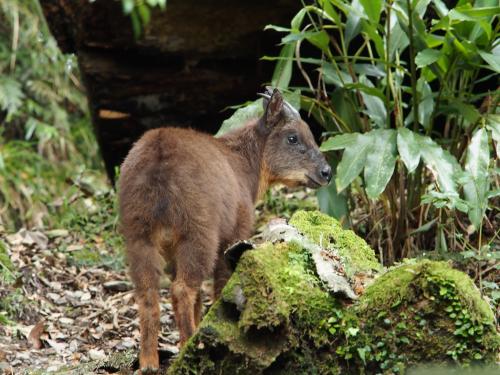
(292, 139)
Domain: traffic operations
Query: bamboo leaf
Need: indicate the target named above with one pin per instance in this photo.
(380, 161)
(353, 24)
(441, 163)
(426, 106)
(427, 57)
(241, 116)
(339, 142)
(408, 149)
(297, 20)
(331, 12)
(493, 125)
(333, 203)
(353, 161)
(319, 39)
(372, 9)
(375, 106)
(476, 189)
(472, 14)
(336, 77)
(283, 70)
(492, 60)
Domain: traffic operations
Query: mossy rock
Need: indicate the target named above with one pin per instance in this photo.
(275, 317)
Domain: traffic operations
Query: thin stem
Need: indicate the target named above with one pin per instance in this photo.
(479, 253)
(413, 68)
(15, 39)
(388, 69)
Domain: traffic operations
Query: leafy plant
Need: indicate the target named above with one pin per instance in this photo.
(140, 12)
(401, 87)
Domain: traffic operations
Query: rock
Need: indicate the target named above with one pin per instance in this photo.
(118, 285)
(96, 354)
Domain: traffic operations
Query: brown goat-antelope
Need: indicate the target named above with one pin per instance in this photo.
(186, 196)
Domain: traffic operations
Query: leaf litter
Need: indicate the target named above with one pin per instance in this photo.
(67, 304)
(60, 312)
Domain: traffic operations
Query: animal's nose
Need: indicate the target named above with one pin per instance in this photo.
(326, 172)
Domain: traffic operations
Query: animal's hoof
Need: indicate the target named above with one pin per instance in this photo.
(149, 370)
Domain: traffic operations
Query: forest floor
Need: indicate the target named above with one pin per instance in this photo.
(69, 299)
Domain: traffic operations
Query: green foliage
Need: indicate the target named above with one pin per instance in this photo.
(140, 12)
(399, 87)
(95, 218)
(7, 270)
(253, 110)
(45, 137)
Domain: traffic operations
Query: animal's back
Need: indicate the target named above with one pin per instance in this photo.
(179, 180)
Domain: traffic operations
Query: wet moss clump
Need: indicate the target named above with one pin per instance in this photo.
(274, 316)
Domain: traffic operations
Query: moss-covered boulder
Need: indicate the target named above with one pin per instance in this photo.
(276, 316)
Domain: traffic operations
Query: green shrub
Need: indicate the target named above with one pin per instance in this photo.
(416, 182)
(46, 139)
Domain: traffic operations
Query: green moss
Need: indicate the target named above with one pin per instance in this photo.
(274, 280)
(92, 256)
(327, 232)
(85, 257)
(426, 312)
(399, 285)
(274, 317)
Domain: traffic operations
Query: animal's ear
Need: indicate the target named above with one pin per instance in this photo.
(273, 106)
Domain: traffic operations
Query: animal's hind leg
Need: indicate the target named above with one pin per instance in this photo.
(194, 263)
(184, 296)
(145, 269)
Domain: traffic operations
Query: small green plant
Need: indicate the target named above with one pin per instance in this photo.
(467, 329)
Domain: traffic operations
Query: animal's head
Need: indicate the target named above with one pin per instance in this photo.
(291, 155)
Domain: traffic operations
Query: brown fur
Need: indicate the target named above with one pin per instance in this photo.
(186, 196)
